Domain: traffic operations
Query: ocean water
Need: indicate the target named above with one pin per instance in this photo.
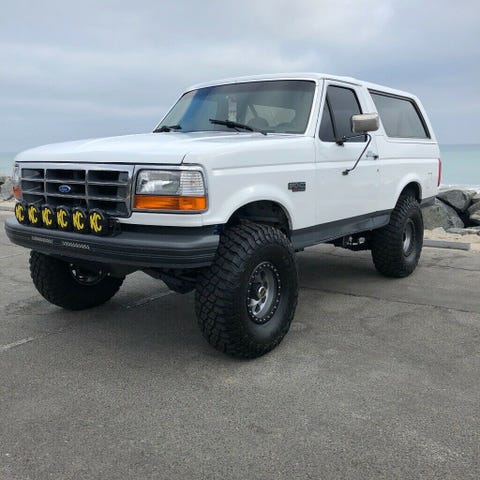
(461, 165)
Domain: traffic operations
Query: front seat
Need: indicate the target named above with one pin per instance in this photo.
(258, 122)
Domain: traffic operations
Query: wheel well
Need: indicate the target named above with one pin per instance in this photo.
(264, 211)
(413, 188)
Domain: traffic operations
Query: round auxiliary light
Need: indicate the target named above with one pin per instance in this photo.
(34, 215)
(21, 213)
(80, 220)
(64, 218)
(98, 222)
(49, 219)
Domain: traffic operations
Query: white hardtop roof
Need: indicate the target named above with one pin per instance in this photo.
(301, 76)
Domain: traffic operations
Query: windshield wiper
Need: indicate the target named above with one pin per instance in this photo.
(230, 124)
(167, 128)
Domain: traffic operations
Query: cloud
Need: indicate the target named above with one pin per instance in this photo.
(83, 69)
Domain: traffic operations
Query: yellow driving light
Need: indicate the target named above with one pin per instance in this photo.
(98, 222)
(21, 213)
(34, 215)
(170, 202)
(64, 218)
(49, 219)
(80, 220)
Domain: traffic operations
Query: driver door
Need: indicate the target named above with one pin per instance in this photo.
(352, 198)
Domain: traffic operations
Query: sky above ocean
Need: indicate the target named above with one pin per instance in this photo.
(92, 69)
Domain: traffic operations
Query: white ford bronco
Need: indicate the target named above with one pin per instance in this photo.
(238, 176)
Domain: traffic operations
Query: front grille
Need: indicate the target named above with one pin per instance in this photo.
(106, 187)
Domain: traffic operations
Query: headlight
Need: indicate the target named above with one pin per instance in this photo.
(171, 190)
(17, 192)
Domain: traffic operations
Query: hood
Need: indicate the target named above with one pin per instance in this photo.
(168, 148)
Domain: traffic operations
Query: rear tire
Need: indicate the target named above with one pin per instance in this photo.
(396, 248)
(69, 286)
(246, 300)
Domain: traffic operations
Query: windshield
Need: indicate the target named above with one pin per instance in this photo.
(281, 106)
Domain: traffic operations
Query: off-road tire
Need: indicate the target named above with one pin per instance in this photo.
(55, 282)
(389, 254)
(223, 290)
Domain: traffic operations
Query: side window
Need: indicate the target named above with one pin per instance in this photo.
(341, 103)
(400, 116)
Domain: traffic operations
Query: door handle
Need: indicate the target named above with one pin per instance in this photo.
(372, 155)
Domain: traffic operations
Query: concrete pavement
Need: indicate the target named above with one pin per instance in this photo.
(377, 378)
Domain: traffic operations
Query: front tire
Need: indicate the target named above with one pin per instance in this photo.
(396, 248)
(70, 286)
(246, 300)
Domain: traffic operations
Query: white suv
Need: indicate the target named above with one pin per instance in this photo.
(239, 175)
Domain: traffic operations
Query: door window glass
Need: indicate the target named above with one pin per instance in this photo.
(341, 103)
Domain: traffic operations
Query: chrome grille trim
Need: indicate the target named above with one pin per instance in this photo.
(93, 185)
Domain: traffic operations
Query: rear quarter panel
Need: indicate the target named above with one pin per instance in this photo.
(405, 160)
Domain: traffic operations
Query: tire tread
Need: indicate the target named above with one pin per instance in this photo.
(55, 283)
(387, 251)
(217, 284)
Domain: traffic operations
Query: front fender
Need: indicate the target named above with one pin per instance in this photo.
(230, 190)
(255, 193)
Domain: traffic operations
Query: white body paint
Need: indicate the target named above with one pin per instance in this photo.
(243, 167)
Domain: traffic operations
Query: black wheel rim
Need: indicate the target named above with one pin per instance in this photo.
(84, 276)
(263, 296)
(409, 237)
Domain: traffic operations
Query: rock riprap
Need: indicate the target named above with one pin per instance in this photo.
(456, 210)
(441, 215)
(460, 200)
(6, 186)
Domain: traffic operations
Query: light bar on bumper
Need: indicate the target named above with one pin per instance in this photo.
(170, 191)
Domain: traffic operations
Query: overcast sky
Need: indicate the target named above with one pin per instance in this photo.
(89, 68)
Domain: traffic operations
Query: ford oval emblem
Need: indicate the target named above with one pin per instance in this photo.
(64, 188)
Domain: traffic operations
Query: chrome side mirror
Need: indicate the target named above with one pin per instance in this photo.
(365, 122)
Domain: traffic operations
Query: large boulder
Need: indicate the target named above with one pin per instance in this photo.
(475, 218)
(460, 200)
(474, 208)
(6, 189)
(476, 198)
(441, 215)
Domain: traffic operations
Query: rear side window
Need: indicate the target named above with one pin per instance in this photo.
(400, 116)
(341, 103)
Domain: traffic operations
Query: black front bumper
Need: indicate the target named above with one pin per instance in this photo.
(139, 247)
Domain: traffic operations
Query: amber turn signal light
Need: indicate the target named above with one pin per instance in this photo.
(169, 202)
